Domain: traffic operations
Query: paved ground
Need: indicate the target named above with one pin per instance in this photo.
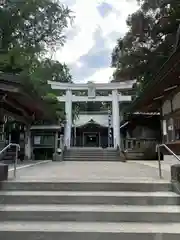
(26, 164)
(91, 171)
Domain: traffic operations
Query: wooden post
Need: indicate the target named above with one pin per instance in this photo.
(28, 152)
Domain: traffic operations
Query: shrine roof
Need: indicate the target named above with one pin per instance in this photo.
(19, 98)
(157, 90)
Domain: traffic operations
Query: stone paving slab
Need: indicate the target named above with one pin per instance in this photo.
(90, 171)
(92, 227)
(165, 165)
(88, 194)
(89, 208)
(24, 164)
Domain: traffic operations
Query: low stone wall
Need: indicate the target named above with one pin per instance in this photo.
(170, 158)
(2, 144)
(175, 177)
(3, 172)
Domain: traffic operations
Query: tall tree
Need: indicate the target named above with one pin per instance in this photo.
(33, 25)
(42, 71)
(29, 29)
(149, 42)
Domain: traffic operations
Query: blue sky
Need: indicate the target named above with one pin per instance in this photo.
(92, 37)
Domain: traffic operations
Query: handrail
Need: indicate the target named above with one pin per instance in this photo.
(17, 149)
(159, 160)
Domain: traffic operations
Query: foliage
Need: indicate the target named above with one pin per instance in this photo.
(40, 71)
(33, 25)
(29, 30)
(149, 42)
(44, 70)
(48, 69)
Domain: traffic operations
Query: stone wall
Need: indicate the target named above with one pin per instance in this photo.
(144, 132)
(175, 177)
(2, 144)
(143, 127)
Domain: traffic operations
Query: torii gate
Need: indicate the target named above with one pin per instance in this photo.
(115, 98)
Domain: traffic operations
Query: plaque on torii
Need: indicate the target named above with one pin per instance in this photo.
(91, 90)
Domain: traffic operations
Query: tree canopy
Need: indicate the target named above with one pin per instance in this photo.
(151, 39)
(33, 26)
(29, 31)
(48, 69)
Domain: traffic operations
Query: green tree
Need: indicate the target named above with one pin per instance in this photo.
(149, 42)
(29, 30)
(45, 70)
(33, 26)
(42, 71)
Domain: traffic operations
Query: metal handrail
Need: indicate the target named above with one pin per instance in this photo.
(16, 157)
(159, 160)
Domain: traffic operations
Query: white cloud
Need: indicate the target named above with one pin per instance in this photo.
(87, 21)
(79, 64)
(116, 20)
(101, 75)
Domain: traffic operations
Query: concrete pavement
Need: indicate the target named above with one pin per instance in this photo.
(91, 171)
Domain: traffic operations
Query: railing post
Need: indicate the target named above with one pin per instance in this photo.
(159, 161)
(16, 154)
(15, 162)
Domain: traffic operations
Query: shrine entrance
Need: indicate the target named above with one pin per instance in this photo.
(91, 135)
(91, 139)
(113, 93)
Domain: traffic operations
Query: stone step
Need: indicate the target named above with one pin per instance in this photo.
(9, 157)
(90, 156)
(91, 149)
(144, 186)
(92, 153)
(71, 197)
(99, 158)
(86, 158)
(7, 161)
(90, 213)
(89, 231)
(77, 159)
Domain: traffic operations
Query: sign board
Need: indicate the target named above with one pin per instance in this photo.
(91, 90)
(170, 128)
(164, 128)
(2, 2)
(37, 140)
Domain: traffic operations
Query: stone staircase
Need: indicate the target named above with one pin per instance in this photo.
(9, 155)
(89, 210)
(91, 154)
